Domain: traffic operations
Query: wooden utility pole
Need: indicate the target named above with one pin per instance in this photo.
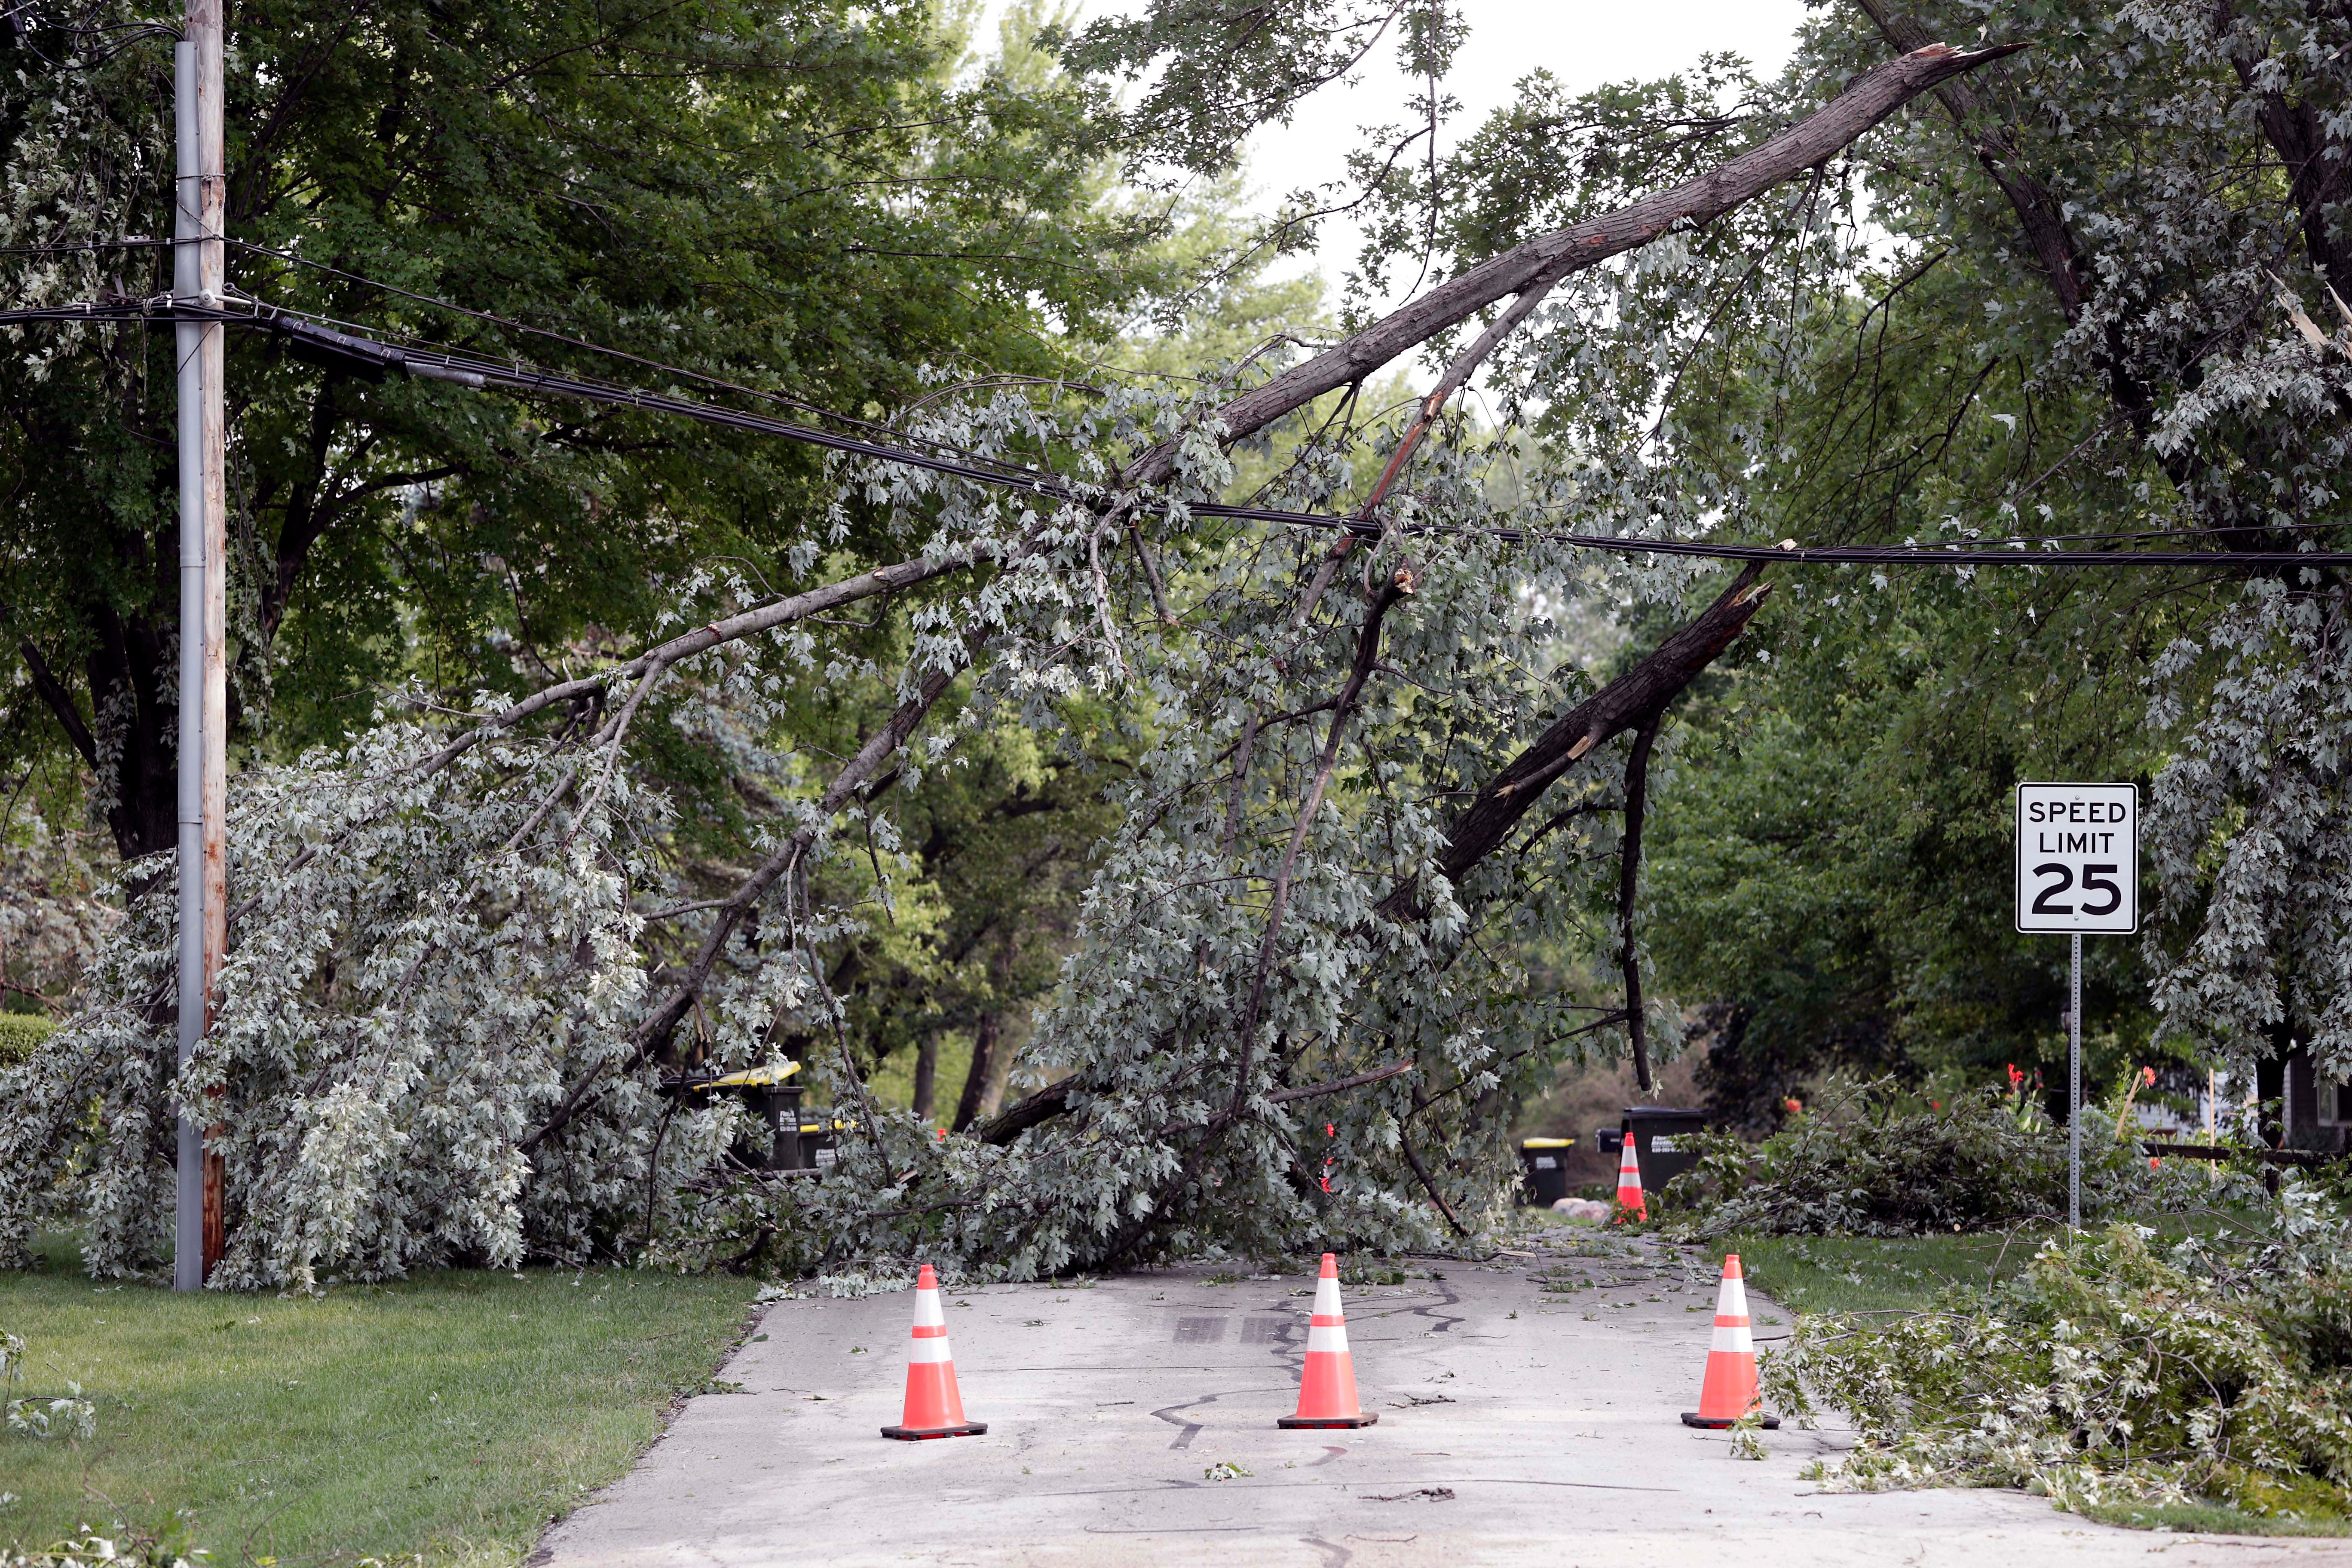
(198, 273)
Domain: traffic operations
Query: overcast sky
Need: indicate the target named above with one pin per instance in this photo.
(1583, 42)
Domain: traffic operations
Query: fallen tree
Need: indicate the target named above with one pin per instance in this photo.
(444, 1022)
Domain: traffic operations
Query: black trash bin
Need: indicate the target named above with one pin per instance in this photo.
(1543, 1162)
(769, 1096)
(1660, 1141)
(820, 1133)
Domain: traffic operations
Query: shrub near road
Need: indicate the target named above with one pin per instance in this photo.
(447, 1417)
(1874, 1161)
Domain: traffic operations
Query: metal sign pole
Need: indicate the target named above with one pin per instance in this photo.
(2074, 1090)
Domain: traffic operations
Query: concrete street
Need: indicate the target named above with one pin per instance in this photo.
(1132, 1420)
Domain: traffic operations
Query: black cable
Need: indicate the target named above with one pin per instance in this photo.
(2027, 540)
(511, 325)
(372, 359)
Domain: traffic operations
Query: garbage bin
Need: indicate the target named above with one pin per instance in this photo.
(770, 1097)
(1660, 1141)
(821, 1139)
(1544, 1165)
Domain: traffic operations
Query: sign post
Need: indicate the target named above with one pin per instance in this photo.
(2077, 871)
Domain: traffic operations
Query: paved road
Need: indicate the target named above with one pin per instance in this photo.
(1518, 1425)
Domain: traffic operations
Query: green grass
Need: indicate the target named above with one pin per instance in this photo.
(2209, 1519)
(1871, 1274)
(445, 1417)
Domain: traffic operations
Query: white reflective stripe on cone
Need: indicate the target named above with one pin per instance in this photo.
(927, 1311)
(929, 1350)
(1318, 1340)
(1731, 1301)
(1326, 1298)
(1732, 1337)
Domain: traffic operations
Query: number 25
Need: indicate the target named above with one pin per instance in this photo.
(2095, 879)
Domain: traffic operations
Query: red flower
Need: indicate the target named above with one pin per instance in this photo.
(2016, 1078)
(2147, 1078)
(1793, 1105)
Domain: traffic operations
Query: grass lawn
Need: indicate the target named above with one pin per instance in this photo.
(443, 1419)
(1869, 1274)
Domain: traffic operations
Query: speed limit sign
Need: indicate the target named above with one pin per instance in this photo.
(2078, 857)
(2078, 873)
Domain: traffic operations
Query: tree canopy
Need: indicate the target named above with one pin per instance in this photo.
(1283, 742)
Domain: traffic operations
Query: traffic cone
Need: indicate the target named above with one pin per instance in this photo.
(1628, 1184)
(934, 1408)
(1327, 1389)
(1729, 1391)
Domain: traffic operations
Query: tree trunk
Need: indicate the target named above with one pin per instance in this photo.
(927, 1069)
(985, 1038)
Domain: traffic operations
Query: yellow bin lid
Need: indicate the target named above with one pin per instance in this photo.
(1545, 1143)
(755, 1078)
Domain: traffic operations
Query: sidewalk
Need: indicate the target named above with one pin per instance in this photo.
(1516, 1427)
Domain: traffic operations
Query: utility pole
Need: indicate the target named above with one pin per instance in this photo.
(199, 271)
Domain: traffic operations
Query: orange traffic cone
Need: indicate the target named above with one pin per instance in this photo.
(1327, 1389)
(1628, 1184)
(1729, 1391)
(934, 1408)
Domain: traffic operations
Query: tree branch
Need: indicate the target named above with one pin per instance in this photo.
(702, 639)
(1427, 1184)
(1629, 868)
(1878, 93)
(1339, 1085)
(656, 1030)
(60, 703)
(1368, 644)
(1624, 703)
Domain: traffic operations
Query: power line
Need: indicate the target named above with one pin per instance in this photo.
(509, 324)
(371, 358)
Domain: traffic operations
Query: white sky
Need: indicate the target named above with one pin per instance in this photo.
(1584, 43)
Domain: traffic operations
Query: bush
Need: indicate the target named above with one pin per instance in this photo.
(1875, 1160)
(19, 1033)
(2111, 1371)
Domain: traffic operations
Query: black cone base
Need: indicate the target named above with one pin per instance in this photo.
(919, 1434)
(1717, 1424)
(1321, 1423)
